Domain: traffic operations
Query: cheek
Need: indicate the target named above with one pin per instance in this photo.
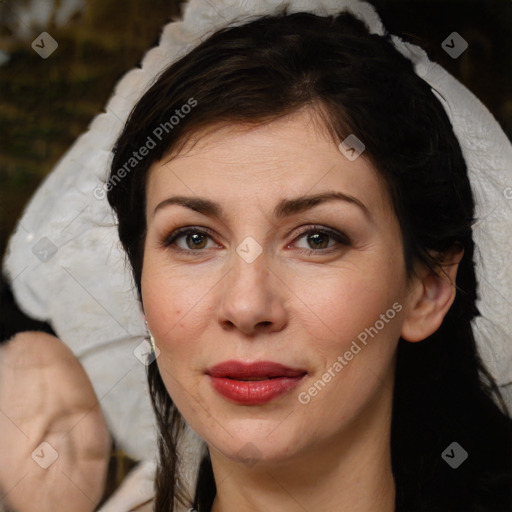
(351, 316)
(355, 355)
(176, 315)
(177, 309)
(344, 301)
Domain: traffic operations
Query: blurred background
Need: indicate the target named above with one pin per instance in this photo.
(45, 104)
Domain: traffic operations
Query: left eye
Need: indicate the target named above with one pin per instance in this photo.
(195, 239)
(317, 238)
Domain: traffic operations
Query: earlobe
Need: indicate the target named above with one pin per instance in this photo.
(431, 298)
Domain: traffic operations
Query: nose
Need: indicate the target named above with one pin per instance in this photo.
(252, 298)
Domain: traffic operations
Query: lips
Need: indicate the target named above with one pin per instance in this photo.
(253, 383)
(253, 371)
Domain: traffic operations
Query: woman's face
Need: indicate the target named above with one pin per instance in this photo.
(317, 286)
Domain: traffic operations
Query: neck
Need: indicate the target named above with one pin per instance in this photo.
(350, 472)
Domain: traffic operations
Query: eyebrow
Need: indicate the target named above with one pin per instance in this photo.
(285, 207)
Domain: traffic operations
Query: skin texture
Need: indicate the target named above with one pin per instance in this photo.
(46, 397)
(302, 310)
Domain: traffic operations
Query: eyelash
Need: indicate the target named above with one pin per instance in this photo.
(341, 238)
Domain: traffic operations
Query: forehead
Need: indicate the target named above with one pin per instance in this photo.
(291, 156)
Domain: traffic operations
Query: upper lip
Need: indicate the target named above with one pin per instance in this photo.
(239, 369)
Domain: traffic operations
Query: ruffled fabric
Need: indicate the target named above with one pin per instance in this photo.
(488, 155)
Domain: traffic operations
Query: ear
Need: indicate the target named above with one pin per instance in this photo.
(430, 297)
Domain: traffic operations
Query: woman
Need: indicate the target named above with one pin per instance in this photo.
(371, 395)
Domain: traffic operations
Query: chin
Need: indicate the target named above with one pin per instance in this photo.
(256, 447)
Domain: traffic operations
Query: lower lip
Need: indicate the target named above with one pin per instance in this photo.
(254, 392)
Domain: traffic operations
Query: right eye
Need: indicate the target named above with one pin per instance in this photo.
(194, 238)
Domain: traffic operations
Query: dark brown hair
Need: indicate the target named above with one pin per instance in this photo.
(357, 83)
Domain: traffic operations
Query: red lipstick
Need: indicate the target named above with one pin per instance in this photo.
(253, 383)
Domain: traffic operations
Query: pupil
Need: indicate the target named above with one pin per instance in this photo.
(195, 239)
(316, 236)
